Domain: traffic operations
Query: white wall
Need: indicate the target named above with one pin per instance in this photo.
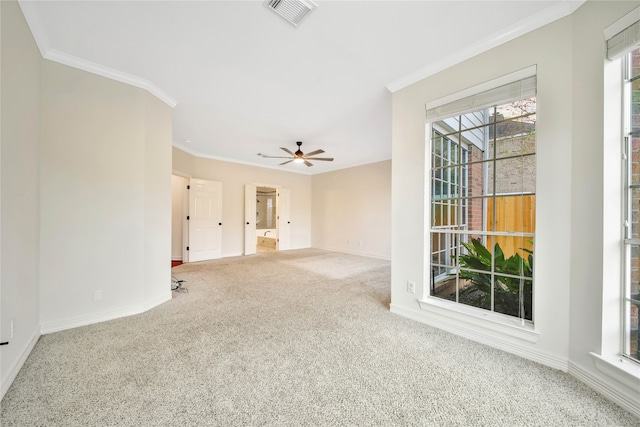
(105, 202)
(234, 176)
(595, 200)
(553, 184)
(351, 210)
(570, 61)
(156, 199)
(86, 196)
(20, 105)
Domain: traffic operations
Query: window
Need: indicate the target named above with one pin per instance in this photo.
(482, 193)
(623, 44)
(631, 211)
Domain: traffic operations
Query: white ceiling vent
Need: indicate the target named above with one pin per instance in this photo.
(291, 10)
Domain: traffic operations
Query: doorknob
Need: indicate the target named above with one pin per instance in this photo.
(219, 223)
(247, 223)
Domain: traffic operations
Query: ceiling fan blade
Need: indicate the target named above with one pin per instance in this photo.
(274, 157)
(313, 153)
(286, 150)
(288, 161)
(326, 159)
(308, 163)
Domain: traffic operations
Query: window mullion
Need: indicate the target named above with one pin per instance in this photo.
(494, 210)
(458, 236)
(470, 144)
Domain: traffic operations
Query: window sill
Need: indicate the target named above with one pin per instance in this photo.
(622, 370)
(472, 316)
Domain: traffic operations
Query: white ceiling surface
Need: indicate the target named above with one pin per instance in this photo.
(244, 81)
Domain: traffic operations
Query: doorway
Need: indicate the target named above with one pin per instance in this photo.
(179, 209)
(266, 219)
(196, 223)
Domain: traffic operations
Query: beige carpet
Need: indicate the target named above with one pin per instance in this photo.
(296, 338)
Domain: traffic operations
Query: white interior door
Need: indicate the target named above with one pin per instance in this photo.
(205, 220)
(284, 219)
(250, 219)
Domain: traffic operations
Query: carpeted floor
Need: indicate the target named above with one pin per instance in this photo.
(295, 338)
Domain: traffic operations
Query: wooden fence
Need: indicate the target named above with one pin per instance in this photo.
(513, 213)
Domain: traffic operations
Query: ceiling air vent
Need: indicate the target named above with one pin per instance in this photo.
(291, 10)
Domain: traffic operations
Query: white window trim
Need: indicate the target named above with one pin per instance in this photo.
(619, 368)
(609, 359)
(492, 321)
(456, 312)
(482, 87)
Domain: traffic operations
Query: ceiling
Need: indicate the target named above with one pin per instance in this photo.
(244, 81)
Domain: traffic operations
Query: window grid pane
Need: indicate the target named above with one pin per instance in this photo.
(489, 170)
(631, 298)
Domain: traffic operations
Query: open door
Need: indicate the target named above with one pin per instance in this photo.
(249, 219)
(284, 219)
(205, 220)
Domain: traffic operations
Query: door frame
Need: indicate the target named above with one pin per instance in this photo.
(253, 215)
(185, 212)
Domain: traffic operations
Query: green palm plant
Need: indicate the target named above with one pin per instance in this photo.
(511, 295)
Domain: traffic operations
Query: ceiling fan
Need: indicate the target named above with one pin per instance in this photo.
(299, 156)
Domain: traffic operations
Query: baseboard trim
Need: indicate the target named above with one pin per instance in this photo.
(607, 390)
(473, 334)
(61, 325)
(361, 253)
(15, 369)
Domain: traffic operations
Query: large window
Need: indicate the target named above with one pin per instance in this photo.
(482, 192)
(631, 293)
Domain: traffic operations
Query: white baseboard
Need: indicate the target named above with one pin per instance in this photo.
(232, 254)
(609, 391)
(13, 372)
(154, 302)
(61, 325)
(361, 253)
(512, 346)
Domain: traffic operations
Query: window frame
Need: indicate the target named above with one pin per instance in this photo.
(629, 242)
(431, 127)
(607, 356)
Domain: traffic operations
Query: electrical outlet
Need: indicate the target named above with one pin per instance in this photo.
(411, 286)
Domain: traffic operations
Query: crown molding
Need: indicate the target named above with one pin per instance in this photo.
(110, 73)
(305, 171)
(35, 25)
(196, 153)
(518, 29)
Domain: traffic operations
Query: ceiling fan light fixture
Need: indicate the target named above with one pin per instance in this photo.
(298, 160)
